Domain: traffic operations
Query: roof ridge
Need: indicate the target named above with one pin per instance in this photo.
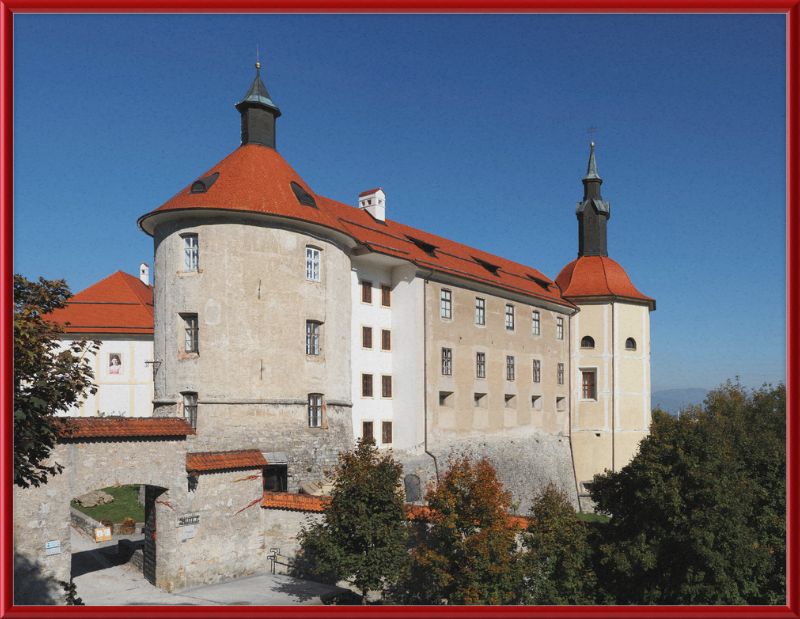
(128, 277)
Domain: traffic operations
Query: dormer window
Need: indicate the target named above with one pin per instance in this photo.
(426, 247)
(303, 197)
(492, 268)
(204, 184)
(540, 281)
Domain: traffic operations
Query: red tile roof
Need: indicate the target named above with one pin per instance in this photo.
(120, 303)
(257, 179)
(365, 193)
(98, 427)
(598, 276)
(300, 502)
(220, 460)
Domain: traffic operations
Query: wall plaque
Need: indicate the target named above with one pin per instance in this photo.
(53, 548)
(187, 520)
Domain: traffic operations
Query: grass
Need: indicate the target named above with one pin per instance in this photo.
(125, 505)
(587, 517)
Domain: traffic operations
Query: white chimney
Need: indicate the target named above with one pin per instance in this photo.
(144, 274)
(374, 202)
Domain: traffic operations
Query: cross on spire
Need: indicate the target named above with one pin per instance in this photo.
(591, 131)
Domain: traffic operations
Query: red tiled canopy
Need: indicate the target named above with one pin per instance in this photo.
(598, 276)
(110, 427)
(220, 460)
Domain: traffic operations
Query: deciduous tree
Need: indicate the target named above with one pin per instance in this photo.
(48, 377)
(362, 535)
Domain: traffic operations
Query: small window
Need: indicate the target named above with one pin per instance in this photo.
(315, 410)
(386, 433)
(386, 296)
(510, 401)
(312, 338)
(191, 340)
(446, 398)
(366, 432)
(386, 339)
(560, 374)
(386, 386)
(447, 362)
(191, 251)
(535, 324)
(480, 365)
(366, 386)
(561, 404)
(509, 368)
(560, 328)
(480, 311)
(190, 408)
(366, 337)
(492, 268)
(509, 317)
(446, 304)
(479, 400)
(303, 197)
(587, 342)
(588, 386)
(312, 264)
(536, 402)
(366, 292)
(537, 371)
(630, 344)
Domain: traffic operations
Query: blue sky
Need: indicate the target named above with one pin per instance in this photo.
(476, 128)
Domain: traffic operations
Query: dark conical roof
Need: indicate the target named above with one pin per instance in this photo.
(591, 170)
(257, 95)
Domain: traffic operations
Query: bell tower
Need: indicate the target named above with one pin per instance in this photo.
(593, 214)
(258, 114)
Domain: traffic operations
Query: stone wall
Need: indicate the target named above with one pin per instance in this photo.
(281, 527)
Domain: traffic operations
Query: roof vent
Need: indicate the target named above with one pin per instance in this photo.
(374, 202)
(204, 184)
(492, 268)
(426, 247)
(303, 197)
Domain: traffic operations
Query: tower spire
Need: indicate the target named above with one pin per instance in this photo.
(258, 113)
(592, 213)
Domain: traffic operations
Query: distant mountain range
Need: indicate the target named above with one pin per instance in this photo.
(673, 400)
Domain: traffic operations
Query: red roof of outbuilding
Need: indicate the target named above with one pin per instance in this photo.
(120, 303)
(109, 427)
(365, 193)
(219, 460)
(598, 276)
(257, 179)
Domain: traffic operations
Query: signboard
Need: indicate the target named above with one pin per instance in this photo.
(102, 534)
(187, 520)
(53, 548)
(188, 531)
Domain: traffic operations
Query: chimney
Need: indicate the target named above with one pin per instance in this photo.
(374, 202)
(144, 274)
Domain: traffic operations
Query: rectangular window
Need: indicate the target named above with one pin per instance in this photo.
(386, 339)
(366, 292)
(480, 311)
(535, 323)
(312, 337)
(190, 408)
(366, 432)
(509, 368)
(560, 374)
(312, 264)
(314, 410)
(447, 362)
(446, 304)
(479, 400)
(560, 328)
(536, 402)
(537, 371)
(191, 340)
(386, 296)
(190, 253)
(366, 337)
(386, 386)
(589, 386)
(480, 365)
(509, 317)
(366, 386)
(386, 433)
(510, 401)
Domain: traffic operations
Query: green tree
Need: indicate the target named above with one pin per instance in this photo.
(48, 378)
(470, 556)
(362, 535)
(699, 515)
(558, 561)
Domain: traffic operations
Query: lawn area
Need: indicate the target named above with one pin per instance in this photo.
(587, 517)
(125, 505)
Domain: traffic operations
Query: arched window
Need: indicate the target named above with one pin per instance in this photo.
(587, 342)
(630, 344)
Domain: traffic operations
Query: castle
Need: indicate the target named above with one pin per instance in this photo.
(295, 324)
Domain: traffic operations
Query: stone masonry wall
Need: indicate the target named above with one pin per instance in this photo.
(281, 527)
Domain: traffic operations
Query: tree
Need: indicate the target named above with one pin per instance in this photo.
(471, 554)
(699, 515)
(362, 535)
(47, 378)
(558, 561)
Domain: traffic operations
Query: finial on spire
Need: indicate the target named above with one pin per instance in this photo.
(258, 64)
(591, 131)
